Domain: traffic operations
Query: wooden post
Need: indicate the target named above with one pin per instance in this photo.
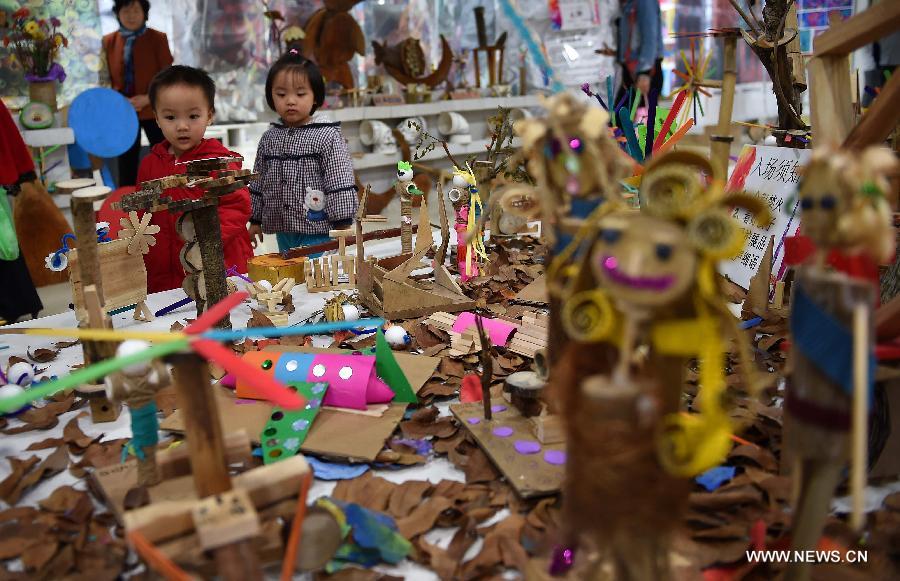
(492, 66)
(209, 237)
(405, 219)
(206, 447)
(720, 142)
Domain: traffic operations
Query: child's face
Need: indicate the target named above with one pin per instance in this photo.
(293, 97)
(183, 114)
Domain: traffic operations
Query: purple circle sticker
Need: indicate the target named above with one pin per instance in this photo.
(503, 432)
(474, 421)
(498, 408)
(527, 447)
(555, 457)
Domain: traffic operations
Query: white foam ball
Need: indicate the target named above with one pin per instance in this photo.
(264, 284)
(351, 312)
(20, 373)
(459, 181)
(9, 391)
(397, 337)
(130, 347)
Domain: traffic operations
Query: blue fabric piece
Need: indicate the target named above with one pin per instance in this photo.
(303, 361)
(78, 157)
(715, 477)
(374, 530)
(289, 240)
(640, 35)
(333, 471)
(825, 341)
(130, 36)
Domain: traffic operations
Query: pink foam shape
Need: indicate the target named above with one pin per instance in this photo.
(378, 391)
(344, 393)
(498, 331)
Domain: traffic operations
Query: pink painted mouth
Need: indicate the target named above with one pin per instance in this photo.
(657, 283)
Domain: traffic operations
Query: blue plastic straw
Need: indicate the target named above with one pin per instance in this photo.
(749, 324)
(316, 329)
(173, 306)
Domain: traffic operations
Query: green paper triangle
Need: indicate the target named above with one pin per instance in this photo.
(389, 371)
(287, 429)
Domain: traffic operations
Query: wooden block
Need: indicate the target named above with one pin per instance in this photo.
(123, 277)
(548, 429)
(103, 410)
(225, 518)
(278, 318)
(880, 120)
(265, 486)
(273, 268)
(830, 99)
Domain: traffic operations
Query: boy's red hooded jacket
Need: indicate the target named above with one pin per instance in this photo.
(164, 269)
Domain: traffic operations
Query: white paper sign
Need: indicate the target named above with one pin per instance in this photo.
(771, 173)
(577, 14)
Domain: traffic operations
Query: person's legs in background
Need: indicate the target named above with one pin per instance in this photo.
(131, 159)
(128, 162)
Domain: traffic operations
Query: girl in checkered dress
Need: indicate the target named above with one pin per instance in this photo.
(306, 185)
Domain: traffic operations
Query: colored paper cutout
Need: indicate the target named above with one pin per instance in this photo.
(287, 429)
(348, 378)
(389, 370)
(498, 331)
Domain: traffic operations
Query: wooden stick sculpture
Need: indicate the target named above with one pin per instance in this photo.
(648, 284)
(467, 206)
(406, 62)
(845, 213)
(493, 53)
(137, 385)
(269, 297)
(202, 256)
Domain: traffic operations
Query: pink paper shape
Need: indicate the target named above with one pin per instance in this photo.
(378, 391)
(498, 331)
(344, 393)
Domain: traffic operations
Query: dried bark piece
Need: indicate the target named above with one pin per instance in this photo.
(45, 417)
(43, 355)
(15, 538)
(19, 514)
(36, 556)
(63, 499)
(46, 444)
(407, 496)
(64, 344)
(257, 319)
(422, 519)
(77, 440)
(372, 492)
(756, 454)
(19, 469)
(52, 465)
(501, 547)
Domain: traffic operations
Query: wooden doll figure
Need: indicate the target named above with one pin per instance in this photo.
(467, 207)
(137, 385)
(577, 166)
(846, 216)
(647, 285)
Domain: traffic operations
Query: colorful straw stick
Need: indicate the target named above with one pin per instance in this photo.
(638, 97)
(316, 329)
(634, 148)
(88, 374)
(98, 334)
(670, 118)
(215, 313)
(173, 306)
(263, 384)
(675, 138)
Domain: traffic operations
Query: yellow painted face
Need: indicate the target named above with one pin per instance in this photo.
(643, 261)
(822, 205)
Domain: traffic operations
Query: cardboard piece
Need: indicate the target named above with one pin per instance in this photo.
(529, 474)
(535, 293)
(497, 329)
(357, 436)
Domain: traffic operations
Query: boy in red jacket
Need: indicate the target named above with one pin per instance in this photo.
(183, 101)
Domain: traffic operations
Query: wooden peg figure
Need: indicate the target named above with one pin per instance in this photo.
(137, 385)
(648, 285)
(847, 218)
(467, 206)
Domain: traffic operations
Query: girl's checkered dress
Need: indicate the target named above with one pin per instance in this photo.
(291, 159)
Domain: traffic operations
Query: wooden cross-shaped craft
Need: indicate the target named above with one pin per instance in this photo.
(139, 232)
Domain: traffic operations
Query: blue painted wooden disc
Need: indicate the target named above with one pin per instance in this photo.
(104, 122)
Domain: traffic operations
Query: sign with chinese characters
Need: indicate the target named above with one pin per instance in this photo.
(772, 173)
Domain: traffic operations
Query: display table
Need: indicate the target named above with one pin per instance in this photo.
(435, 470)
